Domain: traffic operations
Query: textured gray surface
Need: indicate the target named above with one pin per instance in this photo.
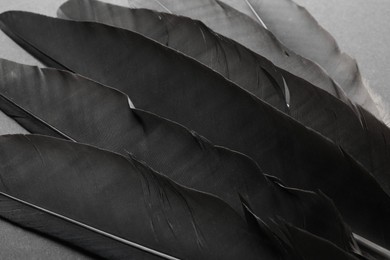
(17, 243)
(360, 27)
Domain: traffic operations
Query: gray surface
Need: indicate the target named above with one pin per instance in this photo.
(362, 29)
(17, 243)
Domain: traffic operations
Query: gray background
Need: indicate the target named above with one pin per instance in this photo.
(362, 29)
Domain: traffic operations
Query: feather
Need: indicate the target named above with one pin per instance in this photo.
(119, 199)
(309, 105)
(235, 62)
(233, 24)
(30, 95)
(301, 33)
(163, 81)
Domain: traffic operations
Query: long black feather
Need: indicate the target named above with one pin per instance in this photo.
(60, 104)
(142, 213)
(227, 21)
(313, 107)
(162, 81)
(191, 37)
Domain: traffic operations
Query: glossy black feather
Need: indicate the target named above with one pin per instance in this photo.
(160, 80)
(65, 105)
(313, 107)
(123, 198)
(191, 37)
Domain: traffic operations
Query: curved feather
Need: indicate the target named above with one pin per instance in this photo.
(309, 105)
(245, 68)
(233, 24)
(163, 81)
(122, 198)
(300, 32)
(30, 95)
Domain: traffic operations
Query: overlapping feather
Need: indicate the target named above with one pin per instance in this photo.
(299, 31)
(210, 105)
(227, 21)
(118, 199)
(203, 101)
(169, 148)
(347, 126)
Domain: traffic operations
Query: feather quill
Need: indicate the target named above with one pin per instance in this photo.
(20, 243)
